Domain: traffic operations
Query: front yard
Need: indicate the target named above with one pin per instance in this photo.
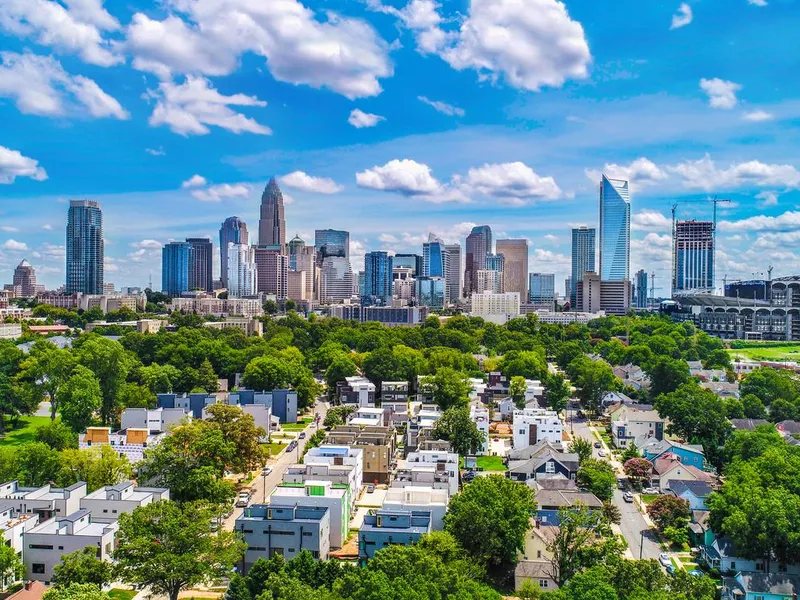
(24, 432)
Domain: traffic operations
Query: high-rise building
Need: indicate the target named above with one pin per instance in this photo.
(568, 287)
(295, 247)
(693, 257)
(542, 287)
(515, 265)
(595, 295)
(85, 253)
(640, 289)
(411, 261)
(175, 261)
(234, 231)
(583, 240)
(305, 260)
(336, 280)
(479, 244)
(431, 292)
(296, 286)
(272, 270)
(242, 270)
(272, 224)
(455, 272)
(201, 264)
(434, 257)
(489, 280)
(615, 230)
(331, 243)
(377, 279)
(25, 280)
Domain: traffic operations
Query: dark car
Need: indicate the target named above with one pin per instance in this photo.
(292, 445)
(469, 476)
(302, 435)
(597, 445)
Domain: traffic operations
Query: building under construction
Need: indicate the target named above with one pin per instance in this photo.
(693, 258)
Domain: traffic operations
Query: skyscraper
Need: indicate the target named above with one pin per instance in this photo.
(25, 280)
(175, 264)
(431, 291)
(640, 291)
(234, 231)
(583, 239)
(515, 265)
(242, 270)
(272, 224)
(479, 244)
(201, 264)
(296, 245)
(455, 273)
(542, 288)
(615, 230)
(331, 242)
(303, 259)
(336, 279)
(84, 247)
(377, 279)
(411, 261)
(434, 257)
(272, 270)
(693, 257)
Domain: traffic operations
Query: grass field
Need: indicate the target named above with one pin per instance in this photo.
(24, 432)
(788, 353)
(299, 426)
(118, 594)
(275, 448)
(648, 498)
(491, 463)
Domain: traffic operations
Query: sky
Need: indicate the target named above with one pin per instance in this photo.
(393, 119)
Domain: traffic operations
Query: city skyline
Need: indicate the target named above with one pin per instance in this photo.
(392, 149)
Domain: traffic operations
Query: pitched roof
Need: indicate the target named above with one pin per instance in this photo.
(788, 426)
(535, 569)
(531, 451)
(569, 461)
(700, 489)
(669, 461)
(567, 498)
(774, 583)
(748, 424)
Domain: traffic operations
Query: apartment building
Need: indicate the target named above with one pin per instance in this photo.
(322, 494)
(154, 420)
(128, 442)
(534, 425)
(419, 499)
(387, 527)
(420, 426)
(394, 391)
(340, 455)
(45, 502)
(107, 503)
(480, 416)
(359, 391)
(443, 461)
(282, 403)
(377, 445)
(14, 525)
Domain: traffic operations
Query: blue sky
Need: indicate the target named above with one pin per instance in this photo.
(392, 119)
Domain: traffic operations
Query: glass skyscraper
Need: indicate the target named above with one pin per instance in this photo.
(234, 231)
(410, 261)
(479, 244)
(640, 291)
(175, 262)
(434, 258)
(615, 230)
(201, 264)
(431, 291)
(84, 247)
(331, 242)
(542, 287)
(377, 279)
(693, 256)
(583, 241)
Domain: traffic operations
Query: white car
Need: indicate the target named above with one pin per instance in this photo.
(242, 499)
(651, 491)
(266, 471)
(601, 453)
(664, 559)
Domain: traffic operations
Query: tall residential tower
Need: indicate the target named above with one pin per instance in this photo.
(693, 257)
(515, 266)
(479, 244)
(84, 247)
(234, 231)
(583, 240)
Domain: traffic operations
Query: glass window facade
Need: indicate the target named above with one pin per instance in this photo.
(175, 261)
(85, 247)
(377, 279)
(615, 230)
(583, 242)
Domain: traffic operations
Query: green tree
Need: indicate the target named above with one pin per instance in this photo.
(528, 364)
(450, 388)
(207, 378)
(669, 511)
(271, 307)
(240, 429)
(770, 384)
(237, 589)
(666, 374)
(695, 414)
(717, 359)
(579, 528)
(782, 410)
(556, 392)
(98, 466)
(266, 373)
(631, 451)
(337, 415)
(79, 398)
(11, 567)
(57, 435)
(638, 470)
(341, 367)
(753, 407)
(159, 379)
(82, 566)
(594, 378)
(490, 518)
(38, 464)
(598, 477)
(45, 370)
(517, 389)
(133, 395)
(169, 548)
(582, 447)
(76, 591)
(111, 365)
(456, 426)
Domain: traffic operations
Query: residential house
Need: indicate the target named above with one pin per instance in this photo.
(758, 586)
(694, 492)
(550, 502)
(358, 391)
(14, 525)
(398, 411)
(282, 403)
(419, 499)
(340, 456)
(369, 416)
(696, 369)
(689, 454)
(285, 530)
(637, 427)
(155, 420)
(334, 497)
(394, 391)
(420, 426)
(546, 463)
(480, 416)
(444, 462)
(532, 426)
(389, 528)
(616, 410)
(528, 452)
(193, 403)
(723, 389)
(535, 561)
(668, 467)
(107, 503)
(130, 442)
(421, 475)
(610, 398)
(747, 424)
(538, 572)
(45, 502)
(377, 444)
(721, 554)
(633, 376)
(790, 430)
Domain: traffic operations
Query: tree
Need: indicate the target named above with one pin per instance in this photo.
(525, 364)
(695, 414)
(456, 426)
(57, 435)
(450, 388)
(11, 567)
(598, 477)
(753, 407)
(579, 527)
(98, 466)
(782, 410)
(111, 365)
(490, 518)
(38, 464)
(207, 378)
(666, 374)
(82, 566)
(79, 398)
(168, 548)
(669, 511)
(717, 359)
(630, 451)
(337, 415)
(341, 367)
(769, 385)
(237, 589)
(529, 591)
(45, 370)
(76, 591)
(517, 389)
(239, 428)
(266, 373)
(582, 447)
(271, 307)
(638, 470)
(556, 392)
(133, 395)
(594, 379)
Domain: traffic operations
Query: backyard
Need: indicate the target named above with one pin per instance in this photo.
(781, 352)
(24, 432)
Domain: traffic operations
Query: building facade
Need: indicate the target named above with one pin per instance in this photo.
(693, 257)
(455, 273)
(640, 289)
(331, 243)
(272, 270)
(496, 307)
(595, 295)
(377, 279)
(85, 247)
(478, 246)
(615, 229)
(242, 270)
(583, 253)
(542, 287)
(175, 261)
(25, 280)
(410, 261)
(515, 265)
(201, 263)
(234, 231)
(431, 292)
(336, 280)
(272, 224)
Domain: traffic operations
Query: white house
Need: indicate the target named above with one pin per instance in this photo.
(336, 498)
(414, 498)
(108, 503)
(154, 420)
(480, 416)
(14, 526)
(368, 416)
(45, 501)
(534, 425)
(445, 462)
(336, 456)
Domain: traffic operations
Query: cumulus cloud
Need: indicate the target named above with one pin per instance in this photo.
(155, 151)
(305, 182)
(13, 164)
(14, 245)
(787, 221)
(443, 107)
(387, 238)
(217, 193)
(640, 173)
(39, 85)
(9, 229)
(758, 115)
(650, 220)
(360, 119)
(757, 2)
(189, 108)
(343, 54)
(47, 227)
(515, 181)
(76, 28)
(767, 199)
(705, 175)
(683, 17)
(194, 181)
(721, 93)
(147, 244)
(410, 178)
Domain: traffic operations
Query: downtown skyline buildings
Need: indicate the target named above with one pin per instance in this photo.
(85, 248)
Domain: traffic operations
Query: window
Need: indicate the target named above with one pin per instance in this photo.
(543, 583)
(550, 467)
(306, 534)
(40, 547)
(759, 566)
(733, 565)
(538, 554)
(38, 568)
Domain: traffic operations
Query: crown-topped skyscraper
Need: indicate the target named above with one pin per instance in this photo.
(272, 224)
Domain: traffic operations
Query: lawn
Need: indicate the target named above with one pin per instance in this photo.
(299, 426)
(118, 594)
(648, 498)
(491, 463)
(275, 448)
(24, 432)
(782, 352)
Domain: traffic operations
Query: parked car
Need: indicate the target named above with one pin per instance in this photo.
(370, 488)
(302, 435)
(671, 570)
(696, 573)
(598, 445)
(628, 497)
(651, 490)
(266, 471)
(243, 499)
(621, 484)
(292, 445)
(601, 453)
(469, 476)
(664, 559)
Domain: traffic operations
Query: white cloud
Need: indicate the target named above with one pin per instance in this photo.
(47, 227)
(155, 151)
(305, 182)
(387, 238)
(13, 164)
(640, 173)
(9, 229)
(551, 238)
(767, 199)
(14, 245)
(76, 28)
(217, 193)
(649, 220)
(410, 178)
(147, 244)
(549, 261)
(528, 43)
(514, 180)
(39, 85)
(343, 54)
(359, 119)
(703, 174)
(189, 108)
(757, 2)
(443, 107)
(758, 115)
(721, 93)
(194, 181)
(787, 221)
(683, 17)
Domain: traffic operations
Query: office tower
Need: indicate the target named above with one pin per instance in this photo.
(84, 247)
(25, 280)
(377, 279)
(640, 289)
(434, 257)
(108, 288)
(489, 280)
(360, 284)
(331, 242)
(693, 257)
(272, 270)
(479, 244)
(615, 230)
(296, 246)
(431, 292)
(542, 287)
(595, 295)
(242, 270)
(297, 286)
(455, 273)
(583, 239)
(515, 265)
(175, 262)
(336, 280)
(305, 260)
(412, 261)
(272, 225)
(234, 231)
(568, 288)
(201, 264)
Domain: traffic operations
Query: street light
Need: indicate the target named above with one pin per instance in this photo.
(641, 545)
(264, 483)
